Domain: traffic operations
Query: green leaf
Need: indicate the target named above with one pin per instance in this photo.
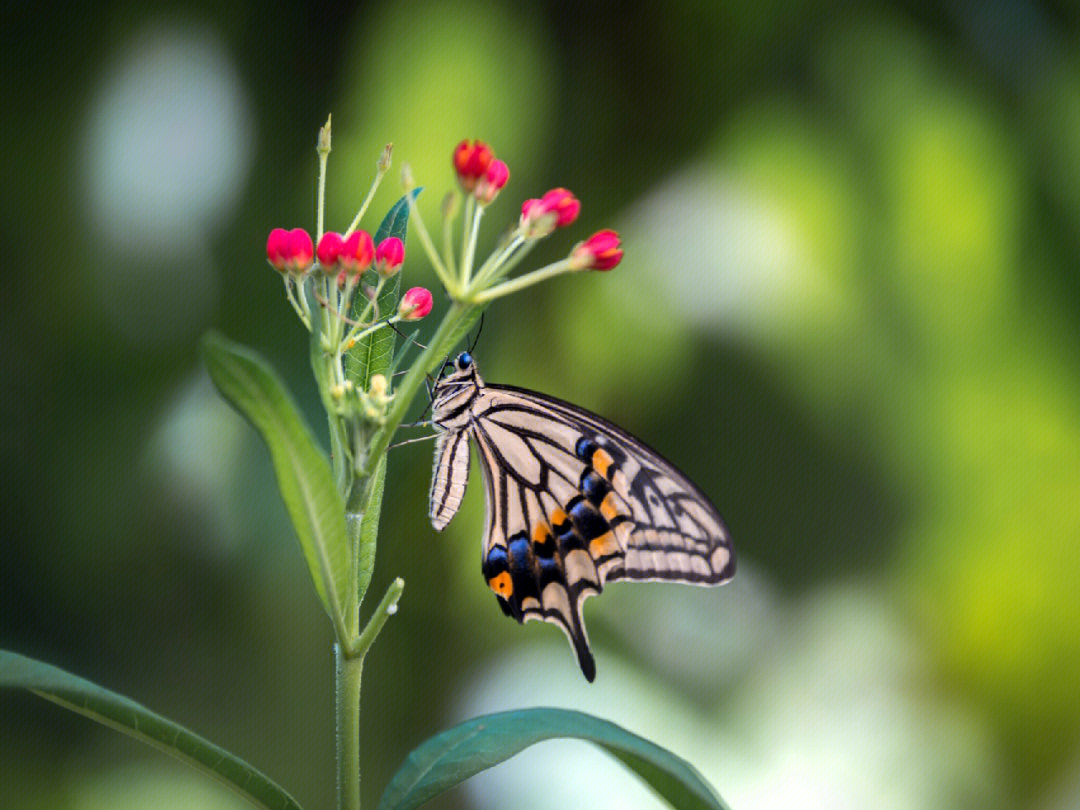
(125, 715)
(369, 532)
(372, 354)
(451, 757)
(303, 473)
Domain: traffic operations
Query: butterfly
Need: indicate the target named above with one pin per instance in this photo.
(573, 502)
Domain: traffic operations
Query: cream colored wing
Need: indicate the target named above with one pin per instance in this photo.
(449, 477)
(575, 502)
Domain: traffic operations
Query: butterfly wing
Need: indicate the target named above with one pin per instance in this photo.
(449, 477)
(575, 502)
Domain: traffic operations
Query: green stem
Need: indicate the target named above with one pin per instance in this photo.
(387, 608)
(364, 205)
(348, 667)
(470, 246)
(323, 148)
(466, 226)
(437, 265)
(347, 672)
(521, 282)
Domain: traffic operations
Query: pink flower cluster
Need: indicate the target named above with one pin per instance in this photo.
(481, 174)
(342, 258)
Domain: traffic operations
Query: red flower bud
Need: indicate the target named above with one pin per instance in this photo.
(357, 252)
(277, 246)
(601, 251)
(564, 204)
(415, 304)
(299, 250)
(329, 251)
(494, 179)
(471, 161)
(556, 209)
(389, 256)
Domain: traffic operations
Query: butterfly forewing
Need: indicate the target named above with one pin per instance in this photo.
(573, 502)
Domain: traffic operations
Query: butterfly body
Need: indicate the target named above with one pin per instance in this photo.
(573, 502)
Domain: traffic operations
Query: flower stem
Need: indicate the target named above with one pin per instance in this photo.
(425, 241)
(348, 667)
(323, 149)
(522, 282)
(364, 205)
(347, 672)
(470, 245)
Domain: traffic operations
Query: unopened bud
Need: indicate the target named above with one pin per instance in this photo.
(300, 251)
(329, 252)
(493, 180)
(389, 256)
(556, 209)
(471, 161)
(277, 246)
(357, 252)
(601, 251)
(383, 163)
(323, 142)
(415, 304)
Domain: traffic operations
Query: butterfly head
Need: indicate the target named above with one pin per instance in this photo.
(455, 388)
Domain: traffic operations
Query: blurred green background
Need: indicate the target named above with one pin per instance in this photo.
(849, 309)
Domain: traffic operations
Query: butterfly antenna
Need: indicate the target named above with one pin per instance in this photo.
(479, 329)
(431, 400)
(408, 337)
(412, 441)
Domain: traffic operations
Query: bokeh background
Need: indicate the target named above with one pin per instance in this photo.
(849, 309)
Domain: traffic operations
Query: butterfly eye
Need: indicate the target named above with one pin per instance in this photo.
(464, 361)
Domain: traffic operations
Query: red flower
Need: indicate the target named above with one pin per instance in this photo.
(299, 251)
(415, 304)
(471, 161)
(493, 180)
(357, 252)
(601, 251)
(556, 209)
(389, 256)
(329, 251)
(277, 245)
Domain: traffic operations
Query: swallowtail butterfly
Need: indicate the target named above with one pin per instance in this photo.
(573, 502)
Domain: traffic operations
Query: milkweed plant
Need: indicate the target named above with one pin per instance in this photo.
(369, 365)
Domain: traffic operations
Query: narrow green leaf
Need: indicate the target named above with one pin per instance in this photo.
(369, 532)
(452, 756)
(128, 717)
(372, 354)
(303, 473)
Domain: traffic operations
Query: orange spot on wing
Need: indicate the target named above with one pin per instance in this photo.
(602, 461)
(603, 545)
(502, 585)
(540, 534)
(607, 506)
(558, 517)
